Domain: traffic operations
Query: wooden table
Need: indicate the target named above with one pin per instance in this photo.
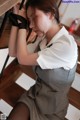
(5, 5)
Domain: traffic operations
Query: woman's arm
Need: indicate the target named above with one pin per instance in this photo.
(23, 55)
(17, 44)
(13, 35)
(13, 41)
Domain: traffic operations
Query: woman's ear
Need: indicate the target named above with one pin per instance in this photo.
(51, 16)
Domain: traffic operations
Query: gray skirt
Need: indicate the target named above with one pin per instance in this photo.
(44, 103)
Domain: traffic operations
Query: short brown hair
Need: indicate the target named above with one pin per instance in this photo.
(46, 6)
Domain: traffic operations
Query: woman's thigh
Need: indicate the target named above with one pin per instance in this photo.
(19, 112)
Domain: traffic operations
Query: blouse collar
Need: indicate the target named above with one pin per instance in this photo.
(62, 32)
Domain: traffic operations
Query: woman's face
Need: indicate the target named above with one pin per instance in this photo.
(39, 21)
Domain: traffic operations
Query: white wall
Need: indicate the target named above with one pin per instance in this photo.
(69, 12)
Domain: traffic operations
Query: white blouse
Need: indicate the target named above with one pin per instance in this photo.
(61, 51)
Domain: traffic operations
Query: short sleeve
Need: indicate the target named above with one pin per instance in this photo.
(60, 54)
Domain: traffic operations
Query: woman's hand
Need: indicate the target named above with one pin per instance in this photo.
(23, 12)
(16, 9)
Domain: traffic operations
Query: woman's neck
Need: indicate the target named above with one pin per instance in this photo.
(52, 32)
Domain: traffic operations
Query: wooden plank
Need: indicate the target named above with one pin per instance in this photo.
(74, 98)
(28, 70)
(12, 93)
(5, 5)
(4, 39)
(11, 74)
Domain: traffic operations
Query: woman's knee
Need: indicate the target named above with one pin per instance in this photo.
(19, 112)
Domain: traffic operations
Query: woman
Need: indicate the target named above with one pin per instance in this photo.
(54, 63)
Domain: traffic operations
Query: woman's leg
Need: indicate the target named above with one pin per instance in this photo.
(19, 112)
